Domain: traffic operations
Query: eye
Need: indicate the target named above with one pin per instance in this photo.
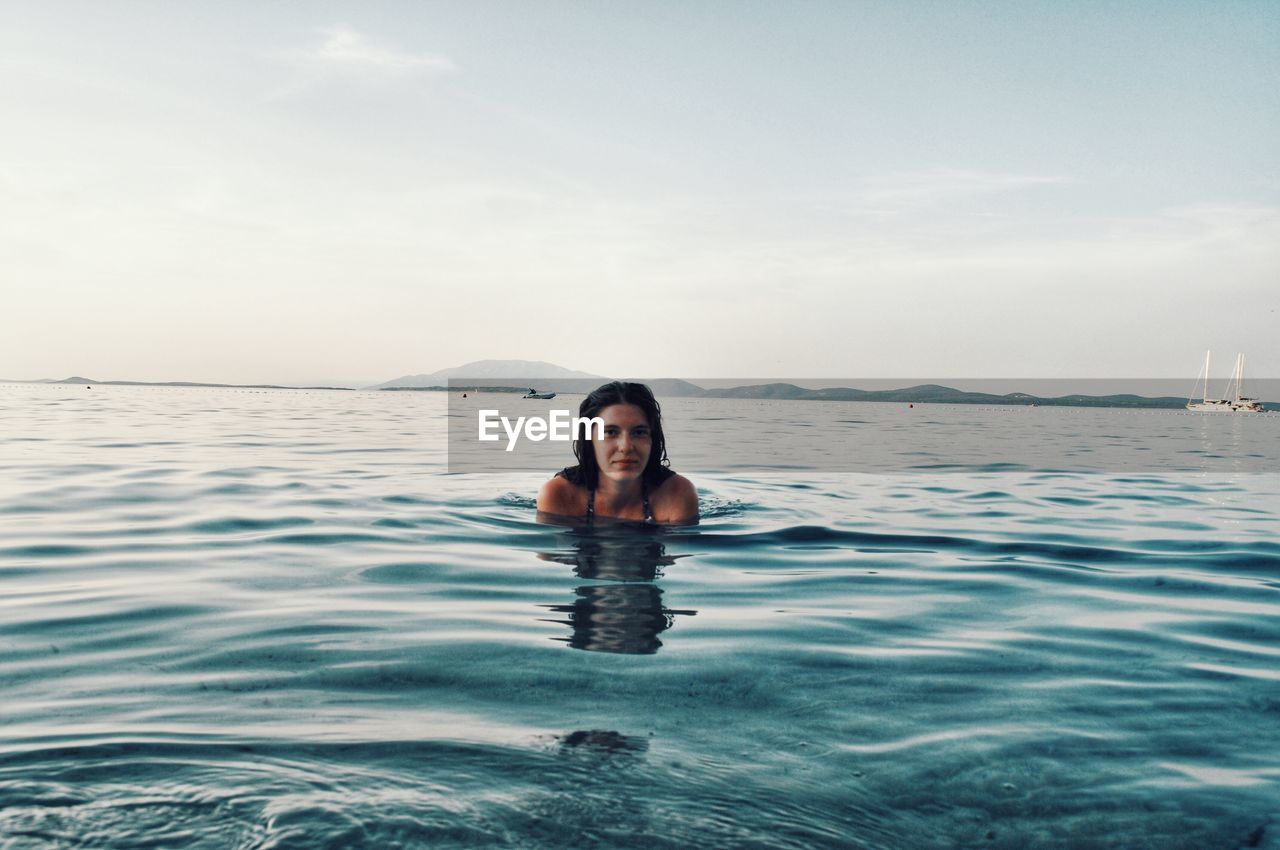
(611, 430)
(640, 432)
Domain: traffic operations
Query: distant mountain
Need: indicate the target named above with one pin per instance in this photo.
(515, 370)
(936, 394)
(672, 387)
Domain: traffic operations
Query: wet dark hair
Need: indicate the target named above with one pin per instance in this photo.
(587, 472)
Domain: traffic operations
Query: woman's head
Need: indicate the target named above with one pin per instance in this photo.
(633, 444)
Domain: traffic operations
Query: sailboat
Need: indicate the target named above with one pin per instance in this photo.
(1233, 402)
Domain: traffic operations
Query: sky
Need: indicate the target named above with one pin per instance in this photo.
(350, 192)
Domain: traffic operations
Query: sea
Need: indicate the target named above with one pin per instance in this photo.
(258, 618)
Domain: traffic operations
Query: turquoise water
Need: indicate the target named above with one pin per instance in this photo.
(269, 619)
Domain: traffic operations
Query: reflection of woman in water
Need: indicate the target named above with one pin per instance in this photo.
(623, 618)
(620, 559)
(625, 475)
(625, 613)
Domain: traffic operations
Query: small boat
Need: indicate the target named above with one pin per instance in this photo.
(532, 393)
(1234, 401)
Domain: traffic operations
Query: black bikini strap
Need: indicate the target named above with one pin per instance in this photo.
(591, 504)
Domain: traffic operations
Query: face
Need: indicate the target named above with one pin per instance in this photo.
(624, 452)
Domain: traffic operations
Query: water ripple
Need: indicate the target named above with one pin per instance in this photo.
(270, 619)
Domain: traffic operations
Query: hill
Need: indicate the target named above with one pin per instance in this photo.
(518, 371)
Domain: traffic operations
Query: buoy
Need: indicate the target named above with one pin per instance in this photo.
(910, 405)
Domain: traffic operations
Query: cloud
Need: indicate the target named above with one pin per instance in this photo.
(346, 51)
(942, 185)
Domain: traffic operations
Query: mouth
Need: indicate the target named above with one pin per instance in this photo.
(626, 463)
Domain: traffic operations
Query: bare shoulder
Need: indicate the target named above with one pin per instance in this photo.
(560, 496)
(675, 501)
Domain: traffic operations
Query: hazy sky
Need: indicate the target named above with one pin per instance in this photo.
(292, 192)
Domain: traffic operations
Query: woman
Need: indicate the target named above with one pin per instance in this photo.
(625, 475)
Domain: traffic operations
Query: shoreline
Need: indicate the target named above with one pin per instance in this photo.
(923, 394)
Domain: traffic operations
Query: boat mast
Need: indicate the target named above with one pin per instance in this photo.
(1205, 397)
